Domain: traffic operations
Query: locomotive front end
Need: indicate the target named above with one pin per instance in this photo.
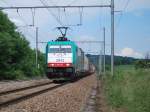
(59, 60)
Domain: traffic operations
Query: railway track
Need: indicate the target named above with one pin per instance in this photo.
(17, 95)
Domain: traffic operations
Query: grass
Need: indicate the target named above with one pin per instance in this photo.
(128, 89)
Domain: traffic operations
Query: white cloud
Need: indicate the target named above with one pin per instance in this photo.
(130, 53)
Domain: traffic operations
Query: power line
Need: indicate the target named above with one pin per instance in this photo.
(121, 16)
(57, 19)
(27, 32)
(72, 2)
(82, 6)
(82, 42)
(81, 16)
(55, 7)
(33, 16)
(22, 18)
(18, 27)
(5, 2)
(65, 17)
(55, 4)
(126, 4)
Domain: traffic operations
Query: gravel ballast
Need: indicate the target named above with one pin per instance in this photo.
(69, 98)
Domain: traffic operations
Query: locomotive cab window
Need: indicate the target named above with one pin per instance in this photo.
(60, 49)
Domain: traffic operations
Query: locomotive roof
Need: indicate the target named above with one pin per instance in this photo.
(61, 43)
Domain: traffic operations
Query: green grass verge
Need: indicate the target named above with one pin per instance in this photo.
(128, 89)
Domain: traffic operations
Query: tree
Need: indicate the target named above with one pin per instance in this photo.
(16, 57)
(143, 63)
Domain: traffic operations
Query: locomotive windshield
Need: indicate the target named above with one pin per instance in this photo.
(60, 49)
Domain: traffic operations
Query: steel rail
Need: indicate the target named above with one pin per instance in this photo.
(4, 104)
(23, 88)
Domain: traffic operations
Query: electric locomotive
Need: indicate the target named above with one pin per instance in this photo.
(65, 60)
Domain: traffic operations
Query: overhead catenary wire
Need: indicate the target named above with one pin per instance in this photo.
(33, 16)
(59, 10)
(52, 2)
(72, 2)
(121, 16)
(67, 20)
(27, 32)
(59, 13)
(4, 2)
(57, 19)
(56, 7)
(19, 15)
(9, 4)
(82, 42)
(22, 18)
(66, 16)
(102, 16)
(81, 16)
(93, 6)
(121, 3)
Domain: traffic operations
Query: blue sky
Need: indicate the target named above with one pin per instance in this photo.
(132, 34)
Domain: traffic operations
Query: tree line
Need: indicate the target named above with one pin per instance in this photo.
(120, 60)
(143, 63)
(17, 59)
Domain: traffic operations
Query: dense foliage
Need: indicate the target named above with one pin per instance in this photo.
(144, 63)
(17, 59)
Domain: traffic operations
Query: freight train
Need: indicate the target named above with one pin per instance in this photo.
(65, 60)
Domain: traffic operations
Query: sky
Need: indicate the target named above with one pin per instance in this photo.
(132, 24)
